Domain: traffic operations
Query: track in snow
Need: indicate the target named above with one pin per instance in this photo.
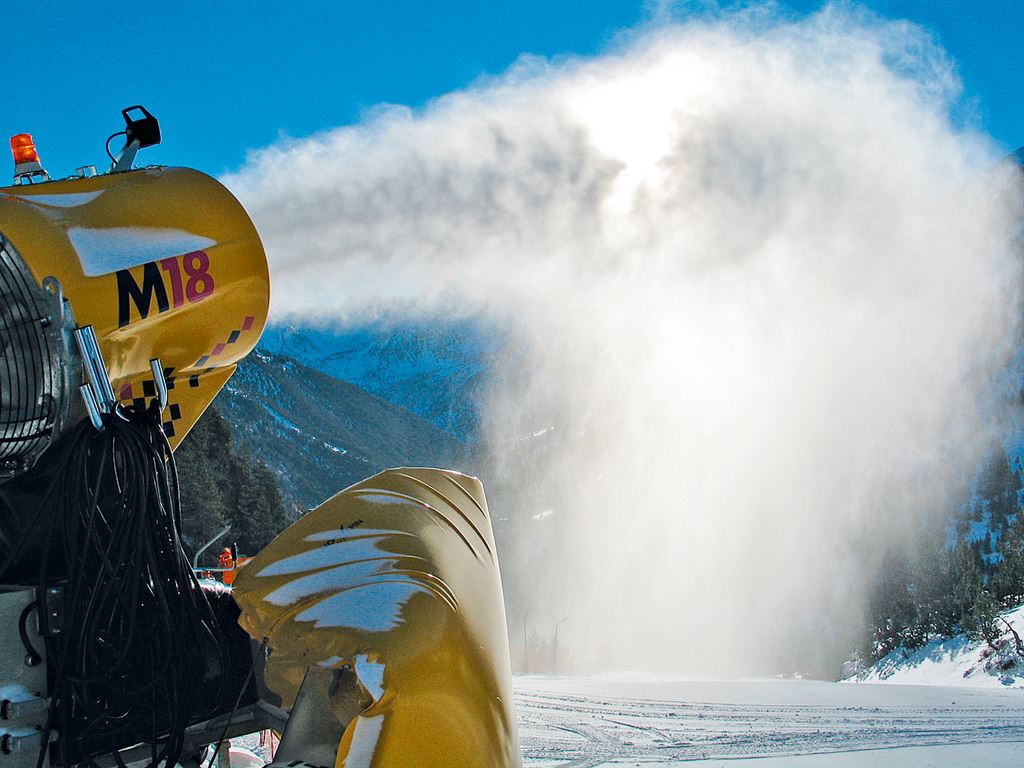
(584, 723)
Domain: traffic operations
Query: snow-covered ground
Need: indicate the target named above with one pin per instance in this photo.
(956, 661)
(609, 721)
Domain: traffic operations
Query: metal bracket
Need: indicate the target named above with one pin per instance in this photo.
(54, 606)
(206, 546)
(313, 732)
(98, 394)
(157, 369)
(126, 159)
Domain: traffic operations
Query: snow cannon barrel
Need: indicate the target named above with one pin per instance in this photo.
(392, 584)
(162, 262)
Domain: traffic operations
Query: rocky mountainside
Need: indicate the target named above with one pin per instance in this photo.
(436, 371)
(320, 434)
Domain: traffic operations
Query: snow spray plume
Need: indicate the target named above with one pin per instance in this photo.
(757, 292)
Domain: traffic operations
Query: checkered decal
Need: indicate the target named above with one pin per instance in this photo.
(129, 394)
(247, 324)
(148, 393)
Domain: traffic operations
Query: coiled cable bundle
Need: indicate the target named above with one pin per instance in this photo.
(132, 642)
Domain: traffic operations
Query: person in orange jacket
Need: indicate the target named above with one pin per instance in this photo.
(228, 562)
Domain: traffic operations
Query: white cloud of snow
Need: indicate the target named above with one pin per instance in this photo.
(751, 269)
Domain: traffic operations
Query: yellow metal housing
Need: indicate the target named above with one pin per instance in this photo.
(396, 578)
(163, 262)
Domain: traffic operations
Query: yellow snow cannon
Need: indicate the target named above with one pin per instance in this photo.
(162, 263)
(370, 633)
(392, 586)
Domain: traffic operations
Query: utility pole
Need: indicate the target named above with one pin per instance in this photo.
(554, 650)
(586, 646)
(526, 643)
(206, 546)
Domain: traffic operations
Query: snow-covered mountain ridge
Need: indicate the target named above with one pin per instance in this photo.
(434, 370)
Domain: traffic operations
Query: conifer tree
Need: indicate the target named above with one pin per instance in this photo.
(984, 625)
(894, 610)
(201, 460)
(1008, 582)
(999, 488)
(966, 582)
(274, 515)
(256, 509)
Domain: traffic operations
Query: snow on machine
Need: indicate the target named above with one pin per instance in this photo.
(369, 633)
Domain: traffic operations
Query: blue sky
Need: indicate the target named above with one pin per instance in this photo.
(227, 76)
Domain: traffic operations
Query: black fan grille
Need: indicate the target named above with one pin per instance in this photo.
(30, 375)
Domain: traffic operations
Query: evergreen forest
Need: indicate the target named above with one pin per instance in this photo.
(963, 578)
(224, 486)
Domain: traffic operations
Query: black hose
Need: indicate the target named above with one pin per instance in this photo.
(139, 639)
(32, 657)
(110, 139)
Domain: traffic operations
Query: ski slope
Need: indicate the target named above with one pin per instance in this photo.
(591, 722)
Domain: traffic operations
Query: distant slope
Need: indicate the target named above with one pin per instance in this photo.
(436, 371)
(955, 661)
(319, 434)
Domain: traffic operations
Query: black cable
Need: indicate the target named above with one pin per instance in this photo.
(110, 139)
(32, 657)
(238, 701)
(46, 500)
(139, 639)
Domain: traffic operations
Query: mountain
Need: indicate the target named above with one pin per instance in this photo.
(320, 434)
(436, 371)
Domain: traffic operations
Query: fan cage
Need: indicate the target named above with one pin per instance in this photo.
(33, 354)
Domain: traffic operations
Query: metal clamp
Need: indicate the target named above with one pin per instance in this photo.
(19, 710)
(14, 743)
(157, 369)
(98, 394)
